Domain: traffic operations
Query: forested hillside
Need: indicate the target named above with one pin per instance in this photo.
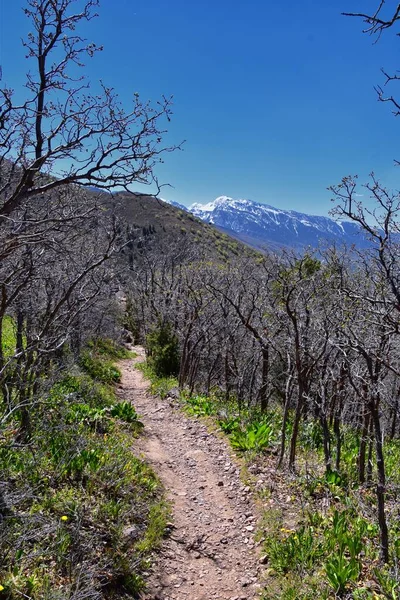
(295, 358)
(79, 511)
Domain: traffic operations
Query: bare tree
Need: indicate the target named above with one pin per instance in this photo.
(65, 132)
(385, 16)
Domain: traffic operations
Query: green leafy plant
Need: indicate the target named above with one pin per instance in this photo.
(335, 478)
(160, 386)
(229, 425)
(300, 550)
(312, 436)
(340, 571)
(85, 459)
(389, 585)
(257, 436)
(9, 338)
(200, 405)
(125, 412)
(83, 413)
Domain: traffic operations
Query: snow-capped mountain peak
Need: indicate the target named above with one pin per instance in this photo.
(262, 224)
(173, 203)
(220, 202)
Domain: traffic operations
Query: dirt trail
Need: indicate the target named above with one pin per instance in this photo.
(210, 553)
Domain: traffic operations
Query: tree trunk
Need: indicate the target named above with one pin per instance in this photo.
(296, 425)
(363, 444)
(326, 442)
(285, 418)
(263, 393)
(381, 484)
(338, 436)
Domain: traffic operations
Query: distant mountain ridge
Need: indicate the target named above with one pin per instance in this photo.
(262, 225)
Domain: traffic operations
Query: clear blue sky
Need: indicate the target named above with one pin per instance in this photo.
(275, 99)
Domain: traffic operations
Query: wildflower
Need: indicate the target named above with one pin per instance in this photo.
(64, 518)
(1, 588)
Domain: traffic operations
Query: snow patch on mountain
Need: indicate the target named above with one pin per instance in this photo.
(173, 203)
(264, 223)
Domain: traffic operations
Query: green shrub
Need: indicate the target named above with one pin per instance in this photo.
(160, 386)
(78, 491)
(299, 551)
(327, 548)
(388, 582)
(101, 370)
(83, 413)
(229, 424)
(81, 389)
(163, 350)
(311, 435)
(108, 348)
(340, 571)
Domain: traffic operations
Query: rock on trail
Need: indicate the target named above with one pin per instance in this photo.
(210, 553)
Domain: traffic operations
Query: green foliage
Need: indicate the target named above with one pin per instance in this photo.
(163, 350)
(200, 405)
(77, 488)
(328, 548)
(229, 424)
(311, 436)
(388, 583)
(299, 551)
(335, 478)
(392, 459)
(85, 414)
(109, 349)
(349, 453)
(9, 337)
(255, 436)
(125, 412)
(81, 389)
(99, 369)
(340, 571)
(160, 386)
(84, 460)
(308, 266)
(158, 518)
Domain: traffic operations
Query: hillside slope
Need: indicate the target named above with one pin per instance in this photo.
(148, 218)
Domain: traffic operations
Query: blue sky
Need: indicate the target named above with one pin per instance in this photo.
(274, 99)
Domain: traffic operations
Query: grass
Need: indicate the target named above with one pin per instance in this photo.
(81, 513)
(159, 515)
(110, 349)
(9, 336)
(99, 368)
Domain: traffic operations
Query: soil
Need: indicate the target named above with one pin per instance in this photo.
(210, 552)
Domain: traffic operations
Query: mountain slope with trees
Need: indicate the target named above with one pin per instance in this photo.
(70, 484)
(295, 355)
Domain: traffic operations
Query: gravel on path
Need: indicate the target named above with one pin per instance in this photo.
(210, 553)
